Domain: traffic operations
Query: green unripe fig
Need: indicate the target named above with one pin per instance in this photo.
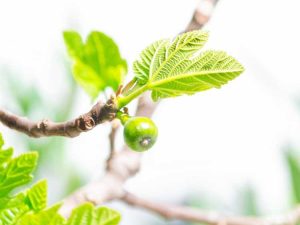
(140, 133)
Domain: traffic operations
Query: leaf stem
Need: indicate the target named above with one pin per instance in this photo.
(124, 100)
(123, 117)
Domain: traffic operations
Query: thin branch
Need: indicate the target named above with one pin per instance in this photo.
(202, 14)
(115, 125)
(112, 136)
(126, 163)
(172, 212)
(99, 113)
(184, 213)
(122, 166)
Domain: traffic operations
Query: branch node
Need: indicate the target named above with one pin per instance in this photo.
(85, 123)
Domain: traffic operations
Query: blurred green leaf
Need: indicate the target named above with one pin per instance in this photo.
(1, 141)
(107, 216)
(37, 195)
(13, 210)
(293, 162)
(29, 207)
(97, 64)
(46, 217)
(5, 154)
(64, 109)
(29, 100)
(26, 97)
(88, 215)
(17, 172)
(14, 172)
(247, 201)
(74, 180)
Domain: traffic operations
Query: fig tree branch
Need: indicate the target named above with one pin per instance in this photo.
(202, 14)
(115, 125)
(112, 136)
(124, 164)
(121, 166)
(99, 113)
(174, 212)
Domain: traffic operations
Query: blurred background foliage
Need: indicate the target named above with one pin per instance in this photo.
(28, 99)
(25, 97)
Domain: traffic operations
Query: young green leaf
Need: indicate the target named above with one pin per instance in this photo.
(5, 154)
(171, 68)
(13, 173)
(12, 208)
(29, 207)
(87, 214)
(1, 141)
(83, 215)
(37, 196)
(17, 172)
(106, 216)
(10, 216)
(97, 63)
(46, 217)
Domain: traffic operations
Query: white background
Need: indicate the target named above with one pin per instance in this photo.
(214, 142)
